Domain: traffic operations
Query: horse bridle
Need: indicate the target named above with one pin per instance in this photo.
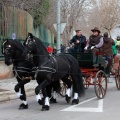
(5, 51)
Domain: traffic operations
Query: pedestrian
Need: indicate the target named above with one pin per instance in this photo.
(49, 49)
(62, 48)
(78, 42)
(54, 50)
(94, 44)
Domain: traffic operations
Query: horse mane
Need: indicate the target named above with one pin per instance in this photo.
(16, 43)
(40, 44)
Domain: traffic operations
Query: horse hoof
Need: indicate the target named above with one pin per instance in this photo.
(45, 108)
(52, 100)
(23, 106)
(40, 102)
(75, 101)
(68, 99)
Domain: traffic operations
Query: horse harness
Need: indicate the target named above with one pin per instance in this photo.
(38, 69)
(44, 68)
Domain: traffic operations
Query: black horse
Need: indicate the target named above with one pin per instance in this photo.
(12, 50)
(53, 68)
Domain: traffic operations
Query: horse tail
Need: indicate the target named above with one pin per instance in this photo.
(80, 83)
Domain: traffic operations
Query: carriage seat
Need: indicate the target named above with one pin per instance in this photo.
(85, 60)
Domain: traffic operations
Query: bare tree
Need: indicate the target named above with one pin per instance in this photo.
(72, 13)
(105, 14)
(37, 8)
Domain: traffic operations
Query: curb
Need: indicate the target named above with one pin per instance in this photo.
(10, 95)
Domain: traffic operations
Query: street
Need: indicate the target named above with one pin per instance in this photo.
(90, 108)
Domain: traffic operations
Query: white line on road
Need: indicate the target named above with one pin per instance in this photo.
(74, 108)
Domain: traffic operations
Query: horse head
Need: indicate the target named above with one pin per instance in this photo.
(8, 52)
(11, 49)
(29, 47)
(33, 47)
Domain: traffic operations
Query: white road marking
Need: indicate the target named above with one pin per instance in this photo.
(74, 108)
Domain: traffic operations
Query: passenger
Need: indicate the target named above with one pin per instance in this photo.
(107, 52)
(94, 43)
(78, 42)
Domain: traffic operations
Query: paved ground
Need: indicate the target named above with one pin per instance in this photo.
(107, 109)
(7, 89)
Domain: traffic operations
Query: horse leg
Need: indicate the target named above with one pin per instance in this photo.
(56, 87)
(50, 91)
(24, 104)
(37, 91)
(38, 96)
(46, 104)
(68, 90)
(76, 90)
(21, 94)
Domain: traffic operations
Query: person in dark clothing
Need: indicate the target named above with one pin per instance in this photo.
(107, 52)
(62, 48)
(94, 44)
(54, 50)
(78, 42)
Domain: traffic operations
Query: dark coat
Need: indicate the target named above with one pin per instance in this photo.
(107, 46)
(79, 47)
(94, 40)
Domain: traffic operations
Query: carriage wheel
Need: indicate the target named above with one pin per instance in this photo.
(100, 84)
(117, 78)
(63, 87)
(86, 83)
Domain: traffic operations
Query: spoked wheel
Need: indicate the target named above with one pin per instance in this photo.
(86, 83)
(63, 87)
(100, 84)
(117, 78)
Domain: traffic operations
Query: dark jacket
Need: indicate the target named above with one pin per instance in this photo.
(79, 46)
(94, 40)
(107, 46)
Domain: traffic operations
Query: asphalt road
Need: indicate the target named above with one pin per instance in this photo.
(90, 108)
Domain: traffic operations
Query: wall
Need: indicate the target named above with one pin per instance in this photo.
(13, 20)
(45, 35)
(20, 22)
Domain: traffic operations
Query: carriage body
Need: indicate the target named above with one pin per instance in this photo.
(93, 75)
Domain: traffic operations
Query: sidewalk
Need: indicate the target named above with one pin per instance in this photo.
(7, 89)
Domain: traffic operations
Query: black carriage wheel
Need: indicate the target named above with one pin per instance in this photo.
(100, 84)
(117, 78)
(63, 87)
(86, 84)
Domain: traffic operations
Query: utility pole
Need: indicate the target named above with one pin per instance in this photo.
(58, 26)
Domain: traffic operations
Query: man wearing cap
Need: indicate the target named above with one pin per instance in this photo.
(95, 43)
(78, 42)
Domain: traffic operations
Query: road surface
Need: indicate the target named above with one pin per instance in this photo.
(90, 108)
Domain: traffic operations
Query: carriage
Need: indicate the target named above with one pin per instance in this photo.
(93, 75)
(116, 70)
